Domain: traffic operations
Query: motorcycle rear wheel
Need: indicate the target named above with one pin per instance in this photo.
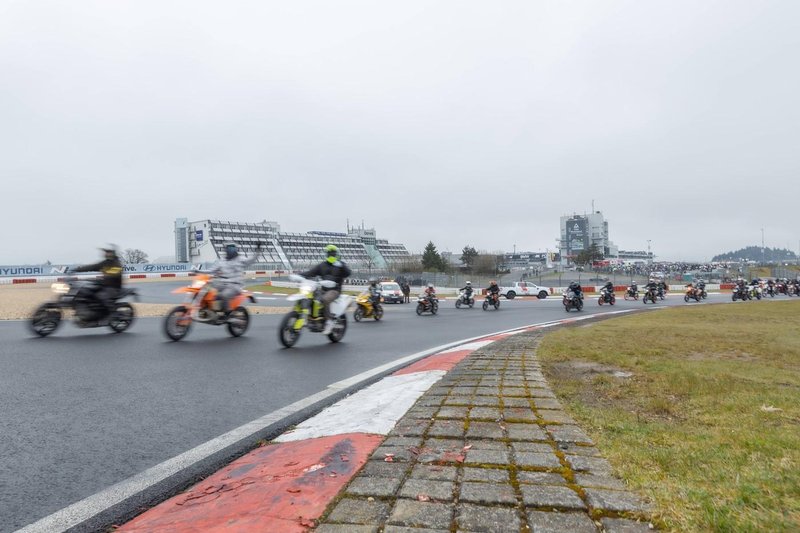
(45, 319)
(377, 314)
(121, 317)
(238, 321)
(177, 323)
(339, 329)
(286, 332)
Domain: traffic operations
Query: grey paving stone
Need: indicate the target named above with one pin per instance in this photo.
(381, 468)
(540, 478)
(479, 444)
(554, 522)
(525, 432)
(537, 460)
(487, 391)
(399, 454)
(551, 415)
(402, 441)
(496, 457)
(593, 465)
(485, 401)
(623, 525)
(615, 500)
(493, 475)
(546, 403)
(400, 529)
(446, 428)
(411, 427)
(346, 528)
(463, 390)
(412, 513)
(536, 447)
(575, 449)
(487, 493)
(600, 482)
(436, 472)
(540, 392)
(519, 414)
(479, 518)
(568, 433)
(484, 430)
(359, 511)
(486, 413)
(453, 412)
(431, 401)
(517, 402)
(422, 412)
(452, 401)
(373, 486)
(551, 497)
(435, 489)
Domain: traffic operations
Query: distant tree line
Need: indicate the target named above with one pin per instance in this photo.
(753, 253)
(472, 261)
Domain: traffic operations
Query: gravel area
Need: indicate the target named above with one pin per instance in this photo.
(19, 301)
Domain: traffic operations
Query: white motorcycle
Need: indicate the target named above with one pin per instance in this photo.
(307, 312)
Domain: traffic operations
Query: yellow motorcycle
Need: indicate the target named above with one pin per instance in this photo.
(368, 306)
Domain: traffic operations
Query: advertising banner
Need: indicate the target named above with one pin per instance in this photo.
(59, 270)
(577, 235)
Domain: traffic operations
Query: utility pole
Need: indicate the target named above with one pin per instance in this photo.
(762, 246)
(649, 256)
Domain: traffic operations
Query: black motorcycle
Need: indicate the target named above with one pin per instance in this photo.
(650, 294)
(465, 298)
(572, 300)
(492, 300)
(79, 296)
(427, 304)
(607, 296)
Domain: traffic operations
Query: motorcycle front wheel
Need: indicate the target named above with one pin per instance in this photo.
(286, 332)
(177, 323)
(358, 314)
(122, 317)
(434, 308)
(458, 303)
(45, 319)
(420, 309)
(485, 306)
(339, 329)
(238, 321)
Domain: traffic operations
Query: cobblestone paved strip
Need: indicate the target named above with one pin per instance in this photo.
(488, 449)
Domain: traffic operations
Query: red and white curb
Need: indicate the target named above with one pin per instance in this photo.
(285, 486)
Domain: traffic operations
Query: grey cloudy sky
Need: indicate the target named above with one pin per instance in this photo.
(459, 122)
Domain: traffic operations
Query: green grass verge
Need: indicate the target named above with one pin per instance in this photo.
(694, 428)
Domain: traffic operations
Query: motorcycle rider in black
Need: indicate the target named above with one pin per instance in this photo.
(332, 269)
(494, 290)
(467, 290)
(652, 285)
(575, 287)
(106, 289)
(609, 286)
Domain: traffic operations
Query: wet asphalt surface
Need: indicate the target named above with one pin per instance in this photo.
(83, 409)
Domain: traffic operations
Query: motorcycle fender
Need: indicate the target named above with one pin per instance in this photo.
(299, 323)
(339, 305)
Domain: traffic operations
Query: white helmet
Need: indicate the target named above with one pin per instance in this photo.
(469, 283)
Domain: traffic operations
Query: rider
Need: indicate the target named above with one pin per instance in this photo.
(374, 291)
(106, 289)
(575, 287)
(609, 287)
(467, 290)
(331, 269)
(493, 290)
(229, 273)
(430, 291)
(652, 285)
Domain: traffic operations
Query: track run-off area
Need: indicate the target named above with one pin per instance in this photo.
(86, 409)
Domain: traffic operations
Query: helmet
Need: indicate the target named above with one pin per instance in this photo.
(430, 285)
(469, 283)
(331, 253)
(493, 282)
(373, 281)
(651, 280)
(231, 250)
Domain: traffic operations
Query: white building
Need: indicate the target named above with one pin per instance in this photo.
(579, 232)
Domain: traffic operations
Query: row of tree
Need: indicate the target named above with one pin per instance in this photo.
(472, 262)
(757, 254)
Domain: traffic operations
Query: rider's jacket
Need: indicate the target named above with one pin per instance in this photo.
(576, 288)
(336, 272)
(493, 289)
(111, 270)
(232, 270)
(609, 287)
(467, 289)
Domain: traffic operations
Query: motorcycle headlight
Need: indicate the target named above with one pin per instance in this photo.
(60, 288)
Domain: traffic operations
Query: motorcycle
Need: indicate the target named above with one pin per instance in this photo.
(368, 306)
(632, 292)
(78, 295)
(692, 293)
(739, 294)
(662, 293)
(755, 292)
(650, 294)
(427, 304)
(308, 312)
(202, 305)
(606, 297)
(702, 291)
(463, 299)
(770, 291)
(572, 300)
(492, 300)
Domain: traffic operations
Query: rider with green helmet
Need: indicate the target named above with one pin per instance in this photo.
(332, 269)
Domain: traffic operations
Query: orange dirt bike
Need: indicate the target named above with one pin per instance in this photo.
(202, 305)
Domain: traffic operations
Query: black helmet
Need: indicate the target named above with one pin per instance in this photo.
(231, 250)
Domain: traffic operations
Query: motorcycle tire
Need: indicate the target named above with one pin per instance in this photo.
(485, 306)
(238, 321)
(686, 299)
(420, 309)
(286, 332)
(613, 301)
(358, 314)
(377, 314)
(733, 297)
(434, 308)
(121, 317)
(458, 304)
(758, 296)
(339, 329)
(472, 303)
(579, 306)
(173, 326)
(600, 301)
(45, 319)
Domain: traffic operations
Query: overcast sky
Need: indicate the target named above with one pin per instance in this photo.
(459, 122)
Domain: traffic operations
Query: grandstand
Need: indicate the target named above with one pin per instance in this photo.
(203, 242)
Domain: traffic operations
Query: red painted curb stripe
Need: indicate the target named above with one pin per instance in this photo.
(23, 280)
(277, 488)
(137, 276)
(167, 275)
(444, 361)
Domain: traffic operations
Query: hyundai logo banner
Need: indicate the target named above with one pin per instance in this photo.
(59, 270)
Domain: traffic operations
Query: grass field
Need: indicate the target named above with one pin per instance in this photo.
(708, 425)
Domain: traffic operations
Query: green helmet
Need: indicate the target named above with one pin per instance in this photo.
(331, 253)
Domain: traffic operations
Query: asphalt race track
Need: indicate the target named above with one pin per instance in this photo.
(83, 409)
